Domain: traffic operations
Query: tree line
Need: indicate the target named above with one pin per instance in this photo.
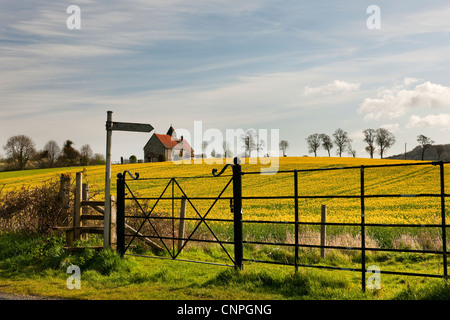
(377, 140)
(21, 151)
(380, 138)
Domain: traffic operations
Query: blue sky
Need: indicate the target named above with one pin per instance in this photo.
(298, 66)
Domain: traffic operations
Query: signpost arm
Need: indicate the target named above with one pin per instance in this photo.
(107, 217)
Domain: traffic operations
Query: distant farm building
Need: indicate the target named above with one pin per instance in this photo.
(167, 147)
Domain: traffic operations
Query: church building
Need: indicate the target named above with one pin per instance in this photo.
(167, 147)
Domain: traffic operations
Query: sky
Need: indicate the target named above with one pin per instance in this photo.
(299, 67)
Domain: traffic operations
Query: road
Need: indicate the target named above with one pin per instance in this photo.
(9, 296)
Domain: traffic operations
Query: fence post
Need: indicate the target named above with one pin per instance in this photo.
(64, 198)
(120, 214)
(296, 218)
(182, 223)
(237, 211)
(64, 191)
(77, 205)
(85, 197)
(84, 209)
(323, 230)
(113, 221)
(444, 237)
(363, 235)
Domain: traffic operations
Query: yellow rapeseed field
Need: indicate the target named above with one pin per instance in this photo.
(155, 177)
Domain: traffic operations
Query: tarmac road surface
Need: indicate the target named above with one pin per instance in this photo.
(9, 296)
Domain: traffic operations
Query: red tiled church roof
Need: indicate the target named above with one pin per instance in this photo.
(170, 143)
(167, 141)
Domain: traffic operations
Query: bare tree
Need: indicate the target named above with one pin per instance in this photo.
(314, 140)
(351, 151)
(53, 151)
(86, 154)
(19, 149)
(204, 146)
(425, 142)
(384, 139)
(341, 140)
(327, 144)
(283, 146)
(369, 138)
(260, 144)
(227, 153)
(250, 140)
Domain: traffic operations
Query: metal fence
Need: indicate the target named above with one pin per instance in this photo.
(237, 207)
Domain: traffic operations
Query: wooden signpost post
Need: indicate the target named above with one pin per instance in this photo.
(110, 127)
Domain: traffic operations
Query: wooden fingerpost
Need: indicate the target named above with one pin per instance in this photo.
(182, 223)
(323, 231)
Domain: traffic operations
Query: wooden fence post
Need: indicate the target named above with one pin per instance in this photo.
(182, 223)
(85, 197)
(64, 191)
(84, 209)
(77, 205)
(64, 200)
(323, 230)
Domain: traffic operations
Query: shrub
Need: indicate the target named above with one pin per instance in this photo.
(35, 209)
(133, 159)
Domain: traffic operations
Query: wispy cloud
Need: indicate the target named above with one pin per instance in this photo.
(330, 88)
(430, 19)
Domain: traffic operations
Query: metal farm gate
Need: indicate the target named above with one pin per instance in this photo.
(149, 217)
(360, 196)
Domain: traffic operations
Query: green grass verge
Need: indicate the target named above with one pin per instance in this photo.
(37, 265)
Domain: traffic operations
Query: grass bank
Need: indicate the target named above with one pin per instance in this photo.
(36, 265)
